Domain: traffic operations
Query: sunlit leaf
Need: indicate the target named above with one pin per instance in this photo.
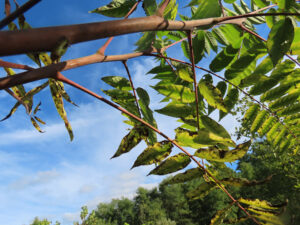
(116, 8)
(280, 39)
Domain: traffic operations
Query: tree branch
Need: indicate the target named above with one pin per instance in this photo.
(45, 39)
(28, 5)
(14, 65)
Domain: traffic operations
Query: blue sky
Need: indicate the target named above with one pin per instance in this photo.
(48, 176)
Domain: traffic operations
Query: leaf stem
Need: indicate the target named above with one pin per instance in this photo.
(132, 86)
(192, 55)
(14, 65)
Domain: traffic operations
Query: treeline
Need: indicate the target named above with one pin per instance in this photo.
(168, 204)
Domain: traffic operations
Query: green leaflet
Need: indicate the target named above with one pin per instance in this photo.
(185, 74)
(266, 126)
(187, 138)
(120, 95)
(149, 7)
(208, 9)
(208, 138)
(186, 176)
(242, 182)
(186, 50)
(271, 133)
(198, 45)
(118, 82)
(218, 155)
(258, 204)
(176, 92)
(201, 191)
(172, 164)
(209, 37)
(284, 101)
(220, 36)
(280, 72)
(230, 100)
(222, 86)
(132, 139)
(145, 42)
(250, 114)
(263, 68)
(279, 137)
(290, 110)
(286, 142)
(116, 8)
(233, 34)
(258, 121)
(160, 69)
(212, 95)
(261, 3)
(59, 104)
(223, 58)
(280, 39)
(176, 110)
(154, 154)
(144, 102)
(220, 216)
(296, 42)
(284, 4)
(236, 68)
(275, 92)
(214, 127)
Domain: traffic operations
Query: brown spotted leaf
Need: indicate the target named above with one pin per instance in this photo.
(172, 164)
(154, 153)
(186, 176)
(132, 139)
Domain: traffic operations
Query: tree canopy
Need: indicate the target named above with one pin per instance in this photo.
(253, 74)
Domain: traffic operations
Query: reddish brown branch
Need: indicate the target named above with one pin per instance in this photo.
(14, 65)
(132, 86)
(189, 34)
(60, 77)
(161, 10)
(103, 48)
(19, 11)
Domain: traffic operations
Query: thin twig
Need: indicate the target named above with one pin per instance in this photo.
(189, 34)
(7, 7)
(28, 5)
(60, 77)
(103, 48)
(132, 86)
(222, 8)
(14, 65)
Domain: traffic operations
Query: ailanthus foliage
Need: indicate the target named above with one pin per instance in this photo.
(242, 64)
